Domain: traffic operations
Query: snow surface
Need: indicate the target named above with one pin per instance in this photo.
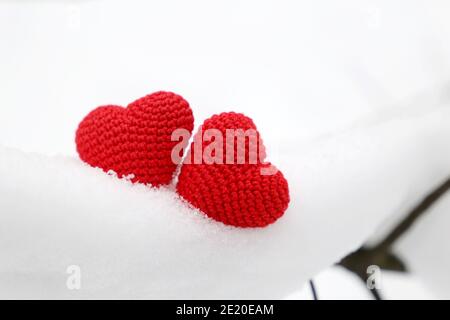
(135, 242)
(337, 283)
(334, 283)
(351, 98)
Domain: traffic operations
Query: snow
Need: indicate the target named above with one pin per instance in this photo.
(351, 99)
(337, 283)
(334, 283)
(132, 241)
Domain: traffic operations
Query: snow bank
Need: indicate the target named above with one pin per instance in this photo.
(131, 241)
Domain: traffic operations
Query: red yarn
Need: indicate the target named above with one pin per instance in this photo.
(235, 194)
(137, 139)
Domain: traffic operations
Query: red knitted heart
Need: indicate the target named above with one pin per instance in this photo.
(135, 140)
(242, 195)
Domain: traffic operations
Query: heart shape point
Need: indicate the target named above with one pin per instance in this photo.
(240, 195)
(135, 140)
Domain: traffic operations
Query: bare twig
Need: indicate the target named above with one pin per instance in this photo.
(313, 290)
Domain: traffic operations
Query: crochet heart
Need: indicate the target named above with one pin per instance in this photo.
(135, 140)
(251, 194)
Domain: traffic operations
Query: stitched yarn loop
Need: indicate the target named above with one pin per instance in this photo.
(135, 140)
(235, 194)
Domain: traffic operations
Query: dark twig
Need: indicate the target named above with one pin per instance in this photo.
(313, 290)
(376, 294)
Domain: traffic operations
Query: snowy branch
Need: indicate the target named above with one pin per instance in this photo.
(381, 254)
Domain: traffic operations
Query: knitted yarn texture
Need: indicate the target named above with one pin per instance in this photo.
(235, 194)
(135, 140)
